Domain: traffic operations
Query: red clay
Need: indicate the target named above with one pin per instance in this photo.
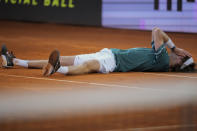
(37, 40)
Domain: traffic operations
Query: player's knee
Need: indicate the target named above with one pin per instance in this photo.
(158, 31)
(155, 28)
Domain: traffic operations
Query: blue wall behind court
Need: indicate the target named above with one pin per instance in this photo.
(141, 14)
(126, 14)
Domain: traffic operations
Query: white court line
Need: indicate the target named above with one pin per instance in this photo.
(81, 82)
(89, 83)
(167, 75)
(69, 81)
(154, 128)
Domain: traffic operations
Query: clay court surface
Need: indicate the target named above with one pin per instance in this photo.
(133, 101)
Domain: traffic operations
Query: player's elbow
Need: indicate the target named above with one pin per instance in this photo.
(156, 30)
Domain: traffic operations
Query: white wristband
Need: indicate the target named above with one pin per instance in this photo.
(170, 44)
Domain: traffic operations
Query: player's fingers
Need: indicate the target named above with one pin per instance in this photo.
(181, 56)
(187, 54)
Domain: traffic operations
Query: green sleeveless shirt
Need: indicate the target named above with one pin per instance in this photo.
(141, 59)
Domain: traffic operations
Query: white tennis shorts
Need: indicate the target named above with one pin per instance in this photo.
(105, 57)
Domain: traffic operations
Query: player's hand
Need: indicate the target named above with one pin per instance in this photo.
(182, 53)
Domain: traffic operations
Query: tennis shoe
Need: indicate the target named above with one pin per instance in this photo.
(53, 63)
(7, 57)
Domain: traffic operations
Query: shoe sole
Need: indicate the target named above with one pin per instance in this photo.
(4, 61)
(47, 70)
(53, 59)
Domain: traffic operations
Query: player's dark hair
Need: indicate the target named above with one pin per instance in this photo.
(189, 68)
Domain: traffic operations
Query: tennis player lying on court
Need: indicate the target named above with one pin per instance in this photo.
(155, 59)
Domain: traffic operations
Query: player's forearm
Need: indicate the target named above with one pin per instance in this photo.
(168, 41)
(165, 37)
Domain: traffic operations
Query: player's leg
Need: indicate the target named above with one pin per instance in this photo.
(9, 60)
(39, 64)
(159, 37)
(90, 66)
(87, 67)
(54, 66)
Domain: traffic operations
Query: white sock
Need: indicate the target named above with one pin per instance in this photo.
(63, 69)
(170, 44)
(19, 62)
